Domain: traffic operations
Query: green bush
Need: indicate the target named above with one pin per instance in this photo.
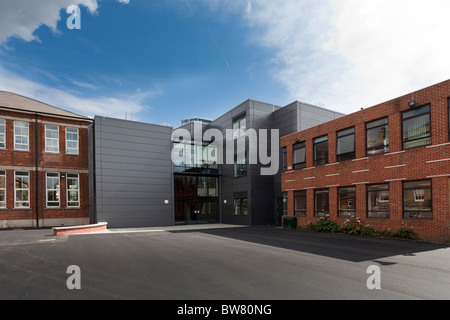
(325, 225)
(406, 233)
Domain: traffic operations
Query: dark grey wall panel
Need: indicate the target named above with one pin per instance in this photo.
(133, 173)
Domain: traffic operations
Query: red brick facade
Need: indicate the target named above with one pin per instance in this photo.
(13, 161)
(397, 166)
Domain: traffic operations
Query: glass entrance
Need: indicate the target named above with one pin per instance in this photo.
(196, 199)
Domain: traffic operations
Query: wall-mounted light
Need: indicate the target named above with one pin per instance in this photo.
(412, 104)
(224, 201)
(166, 201)
(296, 140)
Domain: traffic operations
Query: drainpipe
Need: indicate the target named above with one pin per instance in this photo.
(37, 167)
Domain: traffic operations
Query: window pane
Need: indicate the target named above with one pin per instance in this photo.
(2, 182)
(213, 190)
(237, 207)
(416, 112)
(299, 156)
(244, 209)
(378, 201)
(416, 128)
(347, 201)
(321, 203)
(346, 144)
(417, 200)
(321, 153)
(346, 132)
(378, 140)
(377, 123)
(300, 203)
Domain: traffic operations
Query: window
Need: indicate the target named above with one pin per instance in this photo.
(52, 139)
(21, 141)
(52, 190)
(284, 155)
(73, 190)
(378, 201)
(2, 134)
(347, 202)
(417, 200)
(238, 126)
(300, 203)
(240, 166)
(346, 144)
(22, 190)
(377, 135)
(241, 207)
(321, 203)
(416, 127)
(321, 150)
(72, 141)
(285, 203)
(299, 156)
(2, 189)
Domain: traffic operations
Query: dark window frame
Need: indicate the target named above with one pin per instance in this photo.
(238, 120)
(430, 136)
(240, 170)
(384, 147)
(299, 165)
(352, 213)
(239, 201)
(284, 159)
(412, 211)
(377, 213)
(323, 160)
(321, 213)
(300, 212)
(347, 155)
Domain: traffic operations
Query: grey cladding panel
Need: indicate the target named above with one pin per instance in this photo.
(133, 173)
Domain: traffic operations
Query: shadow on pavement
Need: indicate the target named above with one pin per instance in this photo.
(339, 246)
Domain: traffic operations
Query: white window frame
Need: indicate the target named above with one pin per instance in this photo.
(3, 134)
(16, 125)
(21, 189)
(3, 203)
(52, 128)
(72, 176)
(58, 190)
(68, 150)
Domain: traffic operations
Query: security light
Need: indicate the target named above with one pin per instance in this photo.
(412, 104)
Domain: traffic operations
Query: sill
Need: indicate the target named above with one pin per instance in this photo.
(27, 208)
(73, 208)
(54, 208)
(21, 150)
(55, 153)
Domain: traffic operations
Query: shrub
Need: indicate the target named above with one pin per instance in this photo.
(406, 233)
(325, 225)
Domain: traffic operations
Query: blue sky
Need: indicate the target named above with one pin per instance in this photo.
(168, 60)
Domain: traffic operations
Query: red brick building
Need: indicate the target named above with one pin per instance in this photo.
(43, 164)
(387, 166)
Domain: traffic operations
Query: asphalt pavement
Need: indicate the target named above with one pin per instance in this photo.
(223, 263)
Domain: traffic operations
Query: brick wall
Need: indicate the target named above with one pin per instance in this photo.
(426, 162)
(13, 160)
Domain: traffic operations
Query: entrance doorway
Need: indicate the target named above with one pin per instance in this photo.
(196, 212)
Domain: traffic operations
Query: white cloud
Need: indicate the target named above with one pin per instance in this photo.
(111, 106)
(351, 54)
(20, 18)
